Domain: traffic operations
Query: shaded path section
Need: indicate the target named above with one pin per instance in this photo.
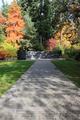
(42, 93)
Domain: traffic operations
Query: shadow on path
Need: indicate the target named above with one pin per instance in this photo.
(42, 93)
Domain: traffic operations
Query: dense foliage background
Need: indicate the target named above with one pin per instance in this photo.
(42, 24)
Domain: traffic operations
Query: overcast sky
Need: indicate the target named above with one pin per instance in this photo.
(6, 1)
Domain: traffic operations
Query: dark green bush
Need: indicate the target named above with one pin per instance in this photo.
(71, 53)
(21, 54)
(57, 51)
(77, 56)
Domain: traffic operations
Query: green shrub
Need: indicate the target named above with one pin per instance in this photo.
(57, 51)
(71, 53)
(77, 56)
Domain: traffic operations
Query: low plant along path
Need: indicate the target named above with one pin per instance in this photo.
(42, 93)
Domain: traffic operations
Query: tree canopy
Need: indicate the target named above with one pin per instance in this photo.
(54, 12)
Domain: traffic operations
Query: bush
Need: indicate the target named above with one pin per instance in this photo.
(2, 55)
(77, 56)
(57, 51)
(21, 53)
(8, 50)
(72, 53)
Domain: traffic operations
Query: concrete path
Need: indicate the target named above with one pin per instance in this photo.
(42, 93)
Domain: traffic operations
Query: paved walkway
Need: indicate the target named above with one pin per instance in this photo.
(42, 93)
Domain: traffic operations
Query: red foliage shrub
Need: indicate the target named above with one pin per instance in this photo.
(3, 55)
(51, 44)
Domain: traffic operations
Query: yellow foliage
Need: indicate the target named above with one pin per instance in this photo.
(66, 35)
(76, 46)
(8, 49)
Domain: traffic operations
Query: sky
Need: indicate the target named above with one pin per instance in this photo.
(6, 1)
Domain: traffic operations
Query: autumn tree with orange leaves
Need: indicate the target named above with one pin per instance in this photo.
(15, 24)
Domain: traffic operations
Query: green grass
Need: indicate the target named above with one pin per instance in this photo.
(70, 68)
(10, 72)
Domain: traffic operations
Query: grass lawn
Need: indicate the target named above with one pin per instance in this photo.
(10, 72)
(71, 69)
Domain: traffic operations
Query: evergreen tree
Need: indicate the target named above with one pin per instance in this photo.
(2, 27)
(5, 9)
(42, 22)
(48, 16)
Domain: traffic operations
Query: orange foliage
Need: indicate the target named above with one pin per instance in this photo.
(2, 19)
(51, 44)
(15, 24)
